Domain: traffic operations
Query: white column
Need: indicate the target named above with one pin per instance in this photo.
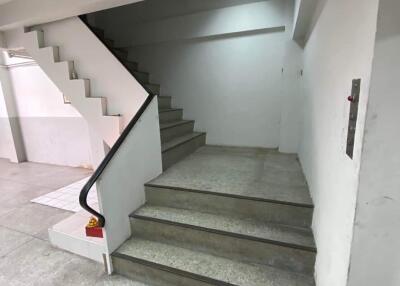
(11, 141)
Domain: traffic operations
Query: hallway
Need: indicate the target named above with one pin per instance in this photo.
(26, 255)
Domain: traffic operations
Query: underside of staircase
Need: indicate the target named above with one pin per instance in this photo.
(178, 137)
(217, 216)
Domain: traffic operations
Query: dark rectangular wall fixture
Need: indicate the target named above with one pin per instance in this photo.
(354, 99)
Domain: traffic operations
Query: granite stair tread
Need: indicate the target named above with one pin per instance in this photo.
(259, 175)
(202, 266)
(295, 237)
(166, 125)
(180, 140)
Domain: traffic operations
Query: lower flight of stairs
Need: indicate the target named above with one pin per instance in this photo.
(177, 136)
(211, 234)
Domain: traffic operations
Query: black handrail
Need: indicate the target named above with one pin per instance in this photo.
(86, 188)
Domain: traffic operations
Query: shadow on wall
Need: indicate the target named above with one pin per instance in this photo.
(317, 13)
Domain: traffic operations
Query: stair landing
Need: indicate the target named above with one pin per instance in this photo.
(263, 174)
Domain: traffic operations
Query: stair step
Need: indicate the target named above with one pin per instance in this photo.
(257, 177)
(236, 183)
(131, 66)
(108, 42)
(142, 77)
(218, 203)
(155, 88)
(170, 130)
(283, 247)
(180, 147)
(165, 264)
(294, 237)
(164, 102)
(120, 54)
(170, 114)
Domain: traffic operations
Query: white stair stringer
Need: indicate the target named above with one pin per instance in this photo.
(77, 91)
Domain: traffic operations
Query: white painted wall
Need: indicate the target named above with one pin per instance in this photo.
(52, 131)
(93, 61)
(121, 187)
(339, 49)
(375, 256)
(222, 66)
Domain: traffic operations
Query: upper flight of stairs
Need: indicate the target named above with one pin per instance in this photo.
(177, 136)
(77, 91)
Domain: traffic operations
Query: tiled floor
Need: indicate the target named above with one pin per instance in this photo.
(67, 198)
(26, 256)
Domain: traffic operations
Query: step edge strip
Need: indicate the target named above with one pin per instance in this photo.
(229, 195)
(169, 110)
(179, 123)
(173, 270)
(227, 233)
(183, 142)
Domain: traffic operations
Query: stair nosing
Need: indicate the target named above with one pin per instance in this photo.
(226, 233)
(229, 195)
(164, 110)
(197, 134)
(172, 270)
(178, 123)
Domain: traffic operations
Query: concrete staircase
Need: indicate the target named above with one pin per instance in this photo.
(219, 216)
(178, 137)
(223, 216)
(77, 91)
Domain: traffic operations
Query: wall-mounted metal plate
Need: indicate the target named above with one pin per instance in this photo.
(354, 99)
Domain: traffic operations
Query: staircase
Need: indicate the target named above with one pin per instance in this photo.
(177, 136)
(217, 216)
(75, 90)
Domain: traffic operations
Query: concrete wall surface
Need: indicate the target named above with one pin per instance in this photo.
(52, 132)
(375, 256)
(339, 49)
(221, 64)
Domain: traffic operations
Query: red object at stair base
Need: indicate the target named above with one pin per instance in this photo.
(94, 231)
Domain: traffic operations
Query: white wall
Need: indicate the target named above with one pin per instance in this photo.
(93, 61)
(339, 49)
(52, 132)
(222, 66)
(121, 186)
(375, 258)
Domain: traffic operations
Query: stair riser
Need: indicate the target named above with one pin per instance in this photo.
(98, 32)
(141, 77)
(244, 250)
(121, 55)
(177, 153)
(176, 131)
(131, 66)
(217, 204)
(169, 116)
(154, 88)
(164, 102)
(109, 43)
(151, 274)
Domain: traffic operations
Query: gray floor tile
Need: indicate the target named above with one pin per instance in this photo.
(32, 218)
(10, 240)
